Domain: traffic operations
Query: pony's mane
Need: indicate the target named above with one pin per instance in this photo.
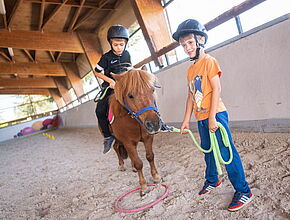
(133, 82)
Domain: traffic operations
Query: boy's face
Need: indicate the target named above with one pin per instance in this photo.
(189, 45)
(118, 45)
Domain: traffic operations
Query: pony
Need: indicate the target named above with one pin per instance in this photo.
(136, 119)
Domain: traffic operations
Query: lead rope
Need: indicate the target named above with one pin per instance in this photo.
(214, 146)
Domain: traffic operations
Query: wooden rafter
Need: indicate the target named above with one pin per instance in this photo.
(58, 56)
(84, 18)
(52, 56)
(72, 4)
(41, 14)
(5, 56)
(53, 13)
(5, 21)
(37, 69)
(29, 55)
(35, 40)
(25, 91)
(13, 13)
(27, 83)
(76, 15)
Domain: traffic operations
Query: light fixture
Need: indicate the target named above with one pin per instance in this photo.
(2, 7)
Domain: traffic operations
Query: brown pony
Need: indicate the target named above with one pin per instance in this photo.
(136, 119)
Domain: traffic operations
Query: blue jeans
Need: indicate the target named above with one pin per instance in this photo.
(235, 169)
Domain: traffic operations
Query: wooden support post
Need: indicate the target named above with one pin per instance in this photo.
(151, 18)
(74, 78)
(56, 97)
(91, 47)
(61, 85)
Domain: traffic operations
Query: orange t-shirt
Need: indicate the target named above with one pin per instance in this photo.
(198, 77)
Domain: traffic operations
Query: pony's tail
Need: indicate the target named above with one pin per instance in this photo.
(123, 152)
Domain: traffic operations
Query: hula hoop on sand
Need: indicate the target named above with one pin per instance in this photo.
(144, 207)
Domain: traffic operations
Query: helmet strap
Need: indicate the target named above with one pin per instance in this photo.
(197, 53)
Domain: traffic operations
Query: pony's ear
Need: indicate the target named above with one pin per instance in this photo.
(117, 77)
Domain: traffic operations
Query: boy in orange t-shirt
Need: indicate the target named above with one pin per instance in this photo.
(204, 100)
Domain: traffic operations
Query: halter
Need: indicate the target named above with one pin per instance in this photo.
(136, 114)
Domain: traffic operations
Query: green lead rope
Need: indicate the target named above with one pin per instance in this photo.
(214, 146)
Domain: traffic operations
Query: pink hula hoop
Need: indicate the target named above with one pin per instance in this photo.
(144, 207)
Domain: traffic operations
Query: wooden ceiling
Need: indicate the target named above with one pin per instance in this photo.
(40, 41)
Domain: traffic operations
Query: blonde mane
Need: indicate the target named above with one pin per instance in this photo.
(133, 82)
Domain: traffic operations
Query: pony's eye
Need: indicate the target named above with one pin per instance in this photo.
(153, 90)
(130, 96)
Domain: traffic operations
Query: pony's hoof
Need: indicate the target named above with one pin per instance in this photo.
(121, 168)
(144, 192)
(158, 180)
(134, 169)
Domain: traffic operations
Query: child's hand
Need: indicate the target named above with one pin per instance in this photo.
(212, 125)
(112, 84)
(185, 125)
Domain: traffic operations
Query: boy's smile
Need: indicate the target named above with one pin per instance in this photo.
(189, 45)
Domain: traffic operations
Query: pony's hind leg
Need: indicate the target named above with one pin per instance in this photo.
(117, 148)
(150, 157)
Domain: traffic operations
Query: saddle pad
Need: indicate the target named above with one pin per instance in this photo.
(110, 116)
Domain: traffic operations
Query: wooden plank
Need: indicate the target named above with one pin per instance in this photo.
(91, 47)
(73, 3)
(150, 16)
(73, 75)
(57, 98)
(35, 40)
(76, 15)
(25, 91)
(39, 69)
(41, 14)
(51, 55)
(29, 83)
(63, 90)
(85, 18)
(29, 55)
(53, 13)
(13, 13)
(5, 56)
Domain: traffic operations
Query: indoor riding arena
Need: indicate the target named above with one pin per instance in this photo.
(52, 164)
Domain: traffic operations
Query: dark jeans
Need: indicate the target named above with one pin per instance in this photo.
(102, 113)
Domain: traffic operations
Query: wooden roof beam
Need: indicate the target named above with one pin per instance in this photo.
(53, 13)
(35, 40)
(63, 90)
(28, 83)
(71, 3)
(150, 16)
(29, 55)
(13, 13)
(24, 91)
(41, 14)
(84, 18)
(76, 15)
(5, 56)
(74, 78)
(57, 98)
(38, 69)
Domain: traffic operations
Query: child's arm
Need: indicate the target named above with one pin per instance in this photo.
(216, 90)
(105, 78)
(188, 112)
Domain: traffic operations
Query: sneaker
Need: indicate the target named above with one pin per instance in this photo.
(208, 187)
(108, 142)
(239, 201)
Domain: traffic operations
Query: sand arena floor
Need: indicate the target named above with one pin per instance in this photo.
(70, 178)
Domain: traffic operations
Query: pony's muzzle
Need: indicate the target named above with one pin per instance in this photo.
(152, 126)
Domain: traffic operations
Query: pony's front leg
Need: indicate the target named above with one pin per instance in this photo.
(150, 157)
(138, 164)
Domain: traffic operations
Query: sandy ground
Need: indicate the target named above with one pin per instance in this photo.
(70, 178)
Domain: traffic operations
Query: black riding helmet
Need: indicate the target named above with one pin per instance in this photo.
(117, 31)
(190, 26)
